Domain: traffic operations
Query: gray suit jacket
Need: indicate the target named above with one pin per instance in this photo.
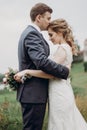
(33, 52)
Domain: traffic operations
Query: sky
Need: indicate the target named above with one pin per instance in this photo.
(14, 18)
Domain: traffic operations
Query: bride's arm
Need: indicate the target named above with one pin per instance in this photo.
(34, 73)
(58, 57)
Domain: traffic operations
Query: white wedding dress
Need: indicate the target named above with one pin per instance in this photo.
(63, 112)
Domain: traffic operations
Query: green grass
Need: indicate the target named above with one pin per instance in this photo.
(79, 79)
(6, 95)
(10, 111)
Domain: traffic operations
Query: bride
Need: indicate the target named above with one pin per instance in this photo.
(63, 112)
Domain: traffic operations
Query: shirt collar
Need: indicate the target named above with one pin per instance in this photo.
(35, 26)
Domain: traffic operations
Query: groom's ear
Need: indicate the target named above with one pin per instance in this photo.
(38, 18)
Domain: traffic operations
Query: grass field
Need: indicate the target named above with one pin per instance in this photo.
(79, 79)
(10, 112)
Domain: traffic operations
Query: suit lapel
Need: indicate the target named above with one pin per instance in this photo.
(45, 44)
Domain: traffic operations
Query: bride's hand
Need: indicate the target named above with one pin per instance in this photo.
(19, 75)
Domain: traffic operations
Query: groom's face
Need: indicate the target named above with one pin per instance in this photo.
(45, 20)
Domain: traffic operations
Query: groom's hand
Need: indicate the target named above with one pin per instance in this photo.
(69, 66)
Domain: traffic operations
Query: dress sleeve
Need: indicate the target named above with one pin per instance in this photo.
(69, 56)
(60, 55)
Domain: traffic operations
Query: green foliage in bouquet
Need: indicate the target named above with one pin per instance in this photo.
(13, 84)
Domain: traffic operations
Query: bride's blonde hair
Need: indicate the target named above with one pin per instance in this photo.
(60, 25)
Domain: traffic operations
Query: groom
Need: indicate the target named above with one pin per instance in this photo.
(33, 52)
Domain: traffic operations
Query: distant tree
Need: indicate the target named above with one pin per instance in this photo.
(85, 55)
(78, 46)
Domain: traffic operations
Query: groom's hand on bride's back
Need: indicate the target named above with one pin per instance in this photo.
(68, 66)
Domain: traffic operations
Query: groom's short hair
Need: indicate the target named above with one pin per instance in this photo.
(39, 8)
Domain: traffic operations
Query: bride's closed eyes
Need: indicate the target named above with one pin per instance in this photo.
(50, 34)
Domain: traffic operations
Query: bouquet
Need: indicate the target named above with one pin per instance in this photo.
(9, 79)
